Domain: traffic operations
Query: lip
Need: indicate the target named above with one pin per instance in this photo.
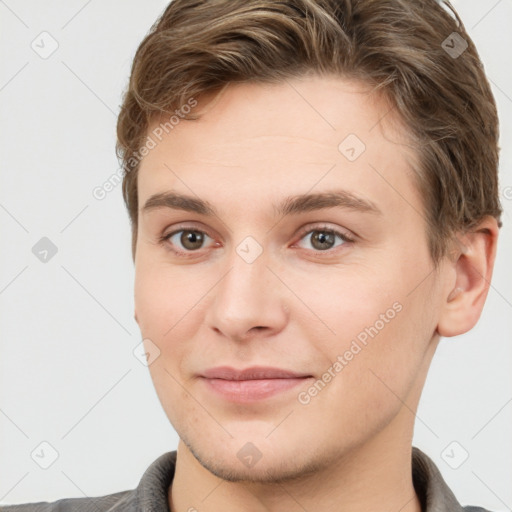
(252, 373)
(251, 384)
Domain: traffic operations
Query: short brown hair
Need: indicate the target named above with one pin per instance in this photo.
(401, 47)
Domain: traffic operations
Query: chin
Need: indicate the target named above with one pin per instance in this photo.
(277, 468)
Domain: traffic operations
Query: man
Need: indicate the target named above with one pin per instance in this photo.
(312, 186)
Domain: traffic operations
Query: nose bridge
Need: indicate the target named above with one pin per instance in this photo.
(244, 285)
(246, 298)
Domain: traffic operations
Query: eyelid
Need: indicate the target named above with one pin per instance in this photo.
(344, 234)
(166, 236)
(186, 227)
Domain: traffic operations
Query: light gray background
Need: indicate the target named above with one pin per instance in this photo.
(68, 375)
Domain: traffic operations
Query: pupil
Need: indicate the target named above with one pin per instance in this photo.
(191, 239)
(323, 238)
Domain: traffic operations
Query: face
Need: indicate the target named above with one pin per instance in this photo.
(300, 256)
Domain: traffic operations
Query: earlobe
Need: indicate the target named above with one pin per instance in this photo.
(472, 268)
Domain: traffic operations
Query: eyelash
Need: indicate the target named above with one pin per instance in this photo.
(164, 239)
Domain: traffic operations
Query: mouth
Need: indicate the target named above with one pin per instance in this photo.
(251, 384)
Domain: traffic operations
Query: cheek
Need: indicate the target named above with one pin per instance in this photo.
(375, 379)
(170, 305)
(340, 305)
(162, 297)
(164, 302)
(383, 323)
(391, 363)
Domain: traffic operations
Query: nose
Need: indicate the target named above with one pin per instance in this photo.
(248, 301)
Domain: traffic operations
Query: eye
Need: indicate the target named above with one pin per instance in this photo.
(324, 238)
(184, 241)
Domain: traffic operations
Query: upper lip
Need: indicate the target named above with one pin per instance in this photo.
(252, 373)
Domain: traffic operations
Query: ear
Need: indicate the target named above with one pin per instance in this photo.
(470, 277)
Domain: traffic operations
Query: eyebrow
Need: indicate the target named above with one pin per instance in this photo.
(289, 206)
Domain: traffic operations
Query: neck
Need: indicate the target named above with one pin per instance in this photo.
(373, 474)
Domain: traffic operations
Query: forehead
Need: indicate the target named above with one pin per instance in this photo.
(262, 138)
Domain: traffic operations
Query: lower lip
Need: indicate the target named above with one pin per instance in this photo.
(243, 391)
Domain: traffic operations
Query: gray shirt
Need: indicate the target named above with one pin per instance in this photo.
(151, 493)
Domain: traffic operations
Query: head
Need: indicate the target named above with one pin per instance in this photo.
(312, 185)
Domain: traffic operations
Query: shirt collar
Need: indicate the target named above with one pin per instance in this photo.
(433, 492)
(151, 495)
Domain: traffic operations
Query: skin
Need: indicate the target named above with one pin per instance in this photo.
(296, 306)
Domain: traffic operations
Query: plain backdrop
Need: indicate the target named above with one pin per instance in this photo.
(68, 374)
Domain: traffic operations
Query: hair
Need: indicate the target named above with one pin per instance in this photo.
(399, 47)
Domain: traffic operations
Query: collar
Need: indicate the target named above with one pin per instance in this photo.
(433, 492)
